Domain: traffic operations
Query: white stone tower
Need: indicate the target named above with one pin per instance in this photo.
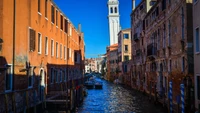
(113, 19)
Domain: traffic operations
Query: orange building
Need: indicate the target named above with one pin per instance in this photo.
(112, 60)
(41, 55)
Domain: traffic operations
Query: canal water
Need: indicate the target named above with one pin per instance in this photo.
(115, 98)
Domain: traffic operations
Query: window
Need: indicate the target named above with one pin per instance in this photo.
(198, 87)
(52, 48)
(46, 5)
(56, 17)
(183, 64)
(66, 26)
(126, 48)
(170, 65)
(126, 36)
(30, 78)
(126, 58)
(52, 14)
(65, 52)
(195, 1)
(163, 4)
(182, 22)
(169, 30)
(61, 51)
(141, 7)
(39, 43)
(61, 22)
(65, 75)
(115, 9)
(46, 45)
(164, 34)
(52, 76)
(31, 40)
(56, 75)
(197, 40)
(9, 79)
(60, 75)
(39, 6)
(111, 10)
(56, 49)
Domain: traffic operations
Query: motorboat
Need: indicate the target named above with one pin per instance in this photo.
(98, 85)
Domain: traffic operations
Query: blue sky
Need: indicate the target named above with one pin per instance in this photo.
(92, 14)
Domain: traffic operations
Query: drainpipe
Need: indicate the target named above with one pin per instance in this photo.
(13, 57)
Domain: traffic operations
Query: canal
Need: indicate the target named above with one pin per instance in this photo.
(115, 98)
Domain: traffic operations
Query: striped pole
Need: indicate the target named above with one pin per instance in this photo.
(182, 98)
(170, 98)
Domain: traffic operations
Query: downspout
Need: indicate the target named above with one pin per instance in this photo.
(13, 57)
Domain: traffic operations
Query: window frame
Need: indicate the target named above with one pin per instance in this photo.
(124, 36)
(46, 9)
(56, 49)
(52, 14)
(46, 45)
(52, 47)
(39, 43)
(61, 46)
(56, 18)
(39, 7)
(65, 52)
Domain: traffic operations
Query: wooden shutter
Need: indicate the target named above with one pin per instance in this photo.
(32, 39)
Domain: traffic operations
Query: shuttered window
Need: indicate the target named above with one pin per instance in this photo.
(31, 40)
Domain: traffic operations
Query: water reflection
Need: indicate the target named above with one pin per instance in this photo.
(117, 99)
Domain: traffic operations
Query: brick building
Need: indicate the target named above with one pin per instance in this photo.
(41, 56)
(137, 44)
(164, 48)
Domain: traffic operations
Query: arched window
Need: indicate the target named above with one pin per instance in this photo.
(111, 10)
(115, 9)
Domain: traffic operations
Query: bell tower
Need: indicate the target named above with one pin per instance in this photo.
(113, 20)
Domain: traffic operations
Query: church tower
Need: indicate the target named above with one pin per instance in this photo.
(113, 19)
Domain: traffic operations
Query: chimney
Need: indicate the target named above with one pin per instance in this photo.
(79, 27)
(133, 4)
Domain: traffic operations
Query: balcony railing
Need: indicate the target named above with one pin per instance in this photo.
(151, 49)
(135, 37)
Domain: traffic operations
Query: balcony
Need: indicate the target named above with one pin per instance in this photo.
(151, 50)
(135, 37)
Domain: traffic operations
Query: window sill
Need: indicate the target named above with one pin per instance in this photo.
(46, 54)
(39, 53)
(52, 23)
(56, 26)
(40, 13)
(46, 18)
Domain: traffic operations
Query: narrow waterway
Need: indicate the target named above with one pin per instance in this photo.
(117, 99)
